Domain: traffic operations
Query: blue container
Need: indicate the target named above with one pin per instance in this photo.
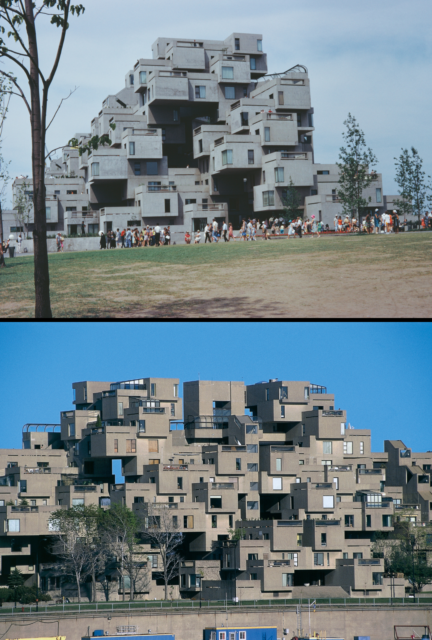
(361, 637)
(98, 632)
(146, 636)
(240, 633)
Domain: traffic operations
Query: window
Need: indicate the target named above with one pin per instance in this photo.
(167, 206)
(77, 502)
(328, 502)
(214, 522)
(252, 466)
(282, 409)
(287, 579)
(71, 193)
(229, 93)
(71, 208)
(342, 424)
(153, 389)
(323, 539)
(180, 483)
(361, 448)
(137, 168)
(251, 428)
(188, 522)
(278, 464)
(252, 448)
(253, 64)
(222, 635)
(131, 148)
(131, 80)
(228, 73)
(251, 156)
(267, 394)
(143, 77)
(318, 559)
(116, 445)
(259, 45)
(279, 174)
(348, 448)
(230, 521)
(386, 521)
(152, 168)
(237, 48)
(48, 213)
(252, 505)
(22, 486)
(345, 555)
(215, 502)
(266, 134)
(13, 526)
(336, 482)
(378, 195)
(130, 446)
(277, 484)
(281, 97)
(268, 198)
(72, 429)
(314, 192)
(377, 578)
(253, 486)
(238, 464)
(349, 521)
(327, 447)
(95, 169)
(299, 539)
(89, 466)
(200, 92)
(227, 157)
(120, 408)
(200, 146)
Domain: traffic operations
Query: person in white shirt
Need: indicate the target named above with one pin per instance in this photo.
(157, 231)
(197, 237)
(224, 231)
(335, 222)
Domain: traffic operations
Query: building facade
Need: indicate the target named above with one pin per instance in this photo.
(271, 488)
(199, 131)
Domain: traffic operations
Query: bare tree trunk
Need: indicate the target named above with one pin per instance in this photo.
(41, 270)
(77, 577)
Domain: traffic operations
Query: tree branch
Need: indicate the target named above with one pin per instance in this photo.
(58, 108)
(61, 43)
(56, 149)
(18, 37)
(21, 92)
(6, 55)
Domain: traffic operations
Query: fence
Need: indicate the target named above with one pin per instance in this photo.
(176, 605)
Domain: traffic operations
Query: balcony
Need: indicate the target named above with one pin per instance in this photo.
(282, 448)
(328, 523)
(84, 488)
(370, 472)
(317, 389)
(207, 422)
(234, 448)
(327, 414)
(279, 563)
(218, 142)
(162, 188)
(293, 156)
(175, 467)
(323, 485)
(223, 485)
(128, 384)
(277, 116)
(347, 467)
(369, 561)
(37, 469)
(83, 214)
(25, 509)
(289, 523)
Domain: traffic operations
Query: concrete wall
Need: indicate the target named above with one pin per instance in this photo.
(335, 623)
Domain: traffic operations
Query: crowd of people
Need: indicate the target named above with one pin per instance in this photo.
(130, 238)
(372, 223)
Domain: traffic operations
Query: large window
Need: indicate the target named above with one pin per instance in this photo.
(143, 77)
(120, 408)
(137, 168)
(252, 448)
(277, 484)
(153, 389)
(253, 486)
(253, 64)
(13, 526)
(72, 429)
(328, 502)
(279, 174)
(348, 448)
(131, 446)
(167, 206)
(259, 45)
(378, 195)
(77, 502)
(266, 134)
(287, 579)
(238, 464)
(188, 522)
(253, 506)
(268, 198)
(387, 521)
(251, 156)
(281, 97)
(22, 486)
(152, 168)
(318, 559)
(200, 92)
(95, 169)
(327, 447)
(227, 157)
(228, 73)
(131, 148)
(215, 502)
(252, 466)
(48, 213)
(229, 93)
(278, 464)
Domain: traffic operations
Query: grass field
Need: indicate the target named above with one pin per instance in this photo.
(342, 277)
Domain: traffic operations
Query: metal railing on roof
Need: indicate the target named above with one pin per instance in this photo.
(35, 427)
(298, 68)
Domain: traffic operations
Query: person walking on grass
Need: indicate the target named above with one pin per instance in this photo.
(102, 240)
(225, 231)
(19, 241)
(315, 228)
(335, 222)
(207, 232)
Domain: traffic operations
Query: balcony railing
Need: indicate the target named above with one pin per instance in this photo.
(347, 467)
(207, 422)
(82, 214)
(279, 563)
(176, 74)
(277, 116)
(370, 472)
(323, 485)
(25, 509)
(67, 414)
(235, 105)
(224, 485)
(175, 467)
(82, 488)
(37, 469)
(293, 156)
(218, 142)
(289, 523)
(282, 449)
(327, 414)
(234, 448)
(165, 188)
(317, 389)
(369, 561)
(197, 131)
(328, 523)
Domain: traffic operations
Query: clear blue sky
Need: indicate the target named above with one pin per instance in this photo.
(381, 373)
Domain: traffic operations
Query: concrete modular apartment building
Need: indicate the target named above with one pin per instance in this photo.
(202, 132)
(275, 459)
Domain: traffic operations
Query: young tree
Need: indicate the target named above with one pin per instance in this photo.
(15, 581)
(291, 202)
(18, 19)
(161, 531)
(355, 163)
(74, 541)
(23, 206)
(119, 529)
(414, 191)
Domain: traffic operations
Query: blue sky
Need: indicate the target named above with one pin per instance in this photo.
(381, 373)
(373, 59)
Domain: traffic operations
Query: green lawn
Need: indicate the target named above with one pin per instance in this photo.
(385, 276)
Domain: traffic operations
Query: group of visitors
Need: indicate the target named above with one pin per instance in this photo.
(426, 221)
(212, 233)
(131, 238)
(372, 223)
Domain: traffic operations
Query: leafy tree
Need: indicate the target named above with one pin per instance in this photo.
(411, 180)
(23, 207)
(16, 579)
(119, 530)
(18, 25)
(355, 162)
(291, 202)
(163, 534)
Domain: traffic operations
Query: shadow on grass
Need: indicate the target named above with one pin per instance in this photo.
(195, 307)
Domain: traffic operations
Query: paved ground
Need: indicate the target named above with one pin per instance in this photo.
(349, 277)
